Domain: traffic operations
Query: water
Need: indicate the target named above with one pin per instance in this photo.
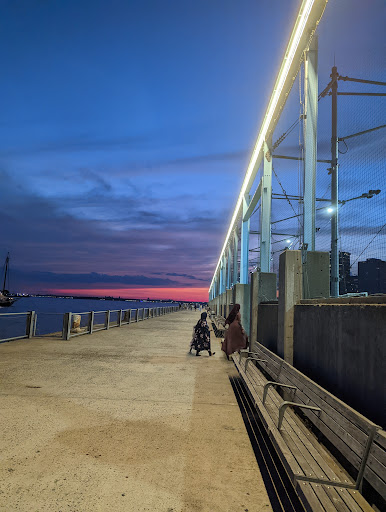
(50, 311)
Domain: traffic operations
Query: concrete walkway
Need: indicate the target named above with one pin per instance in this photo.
(123, 420)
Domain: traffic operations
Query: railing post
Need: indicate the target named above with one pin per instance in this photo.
(66, 326)
(107, 319)
(137, 315)
(30, 324)
(129, 316)
(91, 322)
(120, 317)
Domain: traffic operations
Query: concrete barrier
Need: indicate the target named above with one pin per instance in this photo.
(342, 347)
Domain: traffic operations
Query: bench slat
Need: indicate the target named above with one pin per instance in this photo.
(303, 443)
(342, 425)
(306, 450)
(327, 422)
(288, 461)
(309, 499)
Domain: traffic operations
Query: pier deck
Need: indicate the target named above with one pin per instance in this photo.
(123, 420)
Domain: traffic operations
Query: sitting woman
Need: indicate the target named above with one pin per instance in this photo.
(235, 336)
(201, 336)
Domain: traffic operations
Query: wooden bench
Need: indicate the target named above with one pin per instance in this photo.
(375, 471)
(218, 323)
(318, 478)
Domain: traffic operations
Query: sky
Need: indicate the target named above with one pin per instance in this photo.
(126, 129)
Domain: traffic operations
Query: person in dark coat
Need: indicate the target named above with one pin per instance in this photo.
(201, 336)
(235, 336)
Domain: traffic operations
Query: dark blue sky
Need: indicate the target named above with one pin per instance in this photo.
(126, 128)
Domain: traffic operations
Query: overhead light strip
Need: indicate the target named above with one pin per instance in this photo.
(297, 33)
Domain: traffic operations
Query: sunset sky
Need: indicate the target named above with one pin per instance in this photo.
(126, 128)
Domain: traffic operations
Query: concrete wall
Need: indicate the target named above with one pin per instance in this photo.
(267, 325)
(263, 288)
(302, 275)
(241, 295)
(342, 347)
(229, 301)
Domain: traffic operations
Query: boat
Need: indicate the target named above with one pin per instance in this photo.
(5, 299)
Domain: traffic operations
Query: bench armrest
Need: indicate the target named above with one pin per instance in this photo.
(246, 351)
(272, 383)
(283, 408)
(250, 358)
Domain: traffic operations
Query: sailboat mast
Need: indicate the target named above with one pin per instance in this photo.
(6, 270)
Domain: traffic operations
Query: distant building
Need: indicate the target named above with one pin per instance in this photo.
(372, 276)
(344, 273)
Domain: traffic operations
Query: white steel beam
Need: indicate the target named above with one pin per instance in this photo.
(252, 205)
(229, 266)
(308, 17)
(244, 257)
(310, 142)
(265, 217)
(235, 256)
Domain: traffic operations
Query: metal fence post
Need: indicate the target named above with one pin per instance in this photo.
(107, 320)
(34, 324)
(66, 326)
(91, 322)
(30, 324)
(137, 315)
(120, 317)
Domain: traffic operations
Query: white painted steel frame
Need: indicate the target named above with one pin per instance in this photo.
(310, 142)
(309, 15)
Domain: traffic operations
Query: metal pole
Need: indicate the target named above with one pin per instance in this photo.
(244, 257)
(235, 254)
(266, 203)
(229, 267)
(334, 276)
(310, 142)
(66, 326)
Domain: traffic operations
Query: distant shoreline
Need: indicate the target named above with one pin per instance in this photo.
(93, 297)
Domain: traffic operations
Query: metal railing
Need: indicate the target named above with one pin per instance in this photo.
(77, 324)
(23, 323)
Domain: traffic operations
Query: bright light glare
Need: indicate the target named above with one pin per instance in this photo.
(288, 241)
(285, 67)
(330, 209)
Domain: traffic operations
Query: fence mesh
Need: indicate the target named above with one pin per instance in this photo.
(361, 174)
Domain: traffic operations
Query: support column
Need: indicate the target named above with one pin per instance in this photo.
(310, 142)
(244, 258)
(302, 275)
(229, 267)
(334, 186)
(235, 255)
(266, 200)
